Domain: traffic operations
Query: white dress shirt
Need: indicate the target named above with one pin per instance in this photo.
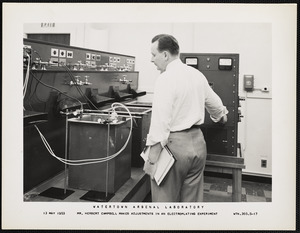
(181, 95)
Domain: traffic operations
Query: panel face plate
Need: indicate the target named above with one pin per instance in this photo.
(47, 51)
(221, 71)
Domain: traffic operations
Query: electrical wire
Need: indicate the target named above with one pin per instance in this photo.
(26, 77)
(35, 89)
(71, 75)
(39, 81)
(77, 87)
(91, 161)
(51, 87)
(31, 94)
(33, 98)
(245, 122)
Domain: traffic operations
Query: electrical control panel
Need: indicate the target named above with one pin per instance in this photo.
(221, 71)
(72, 76)
(45, 55)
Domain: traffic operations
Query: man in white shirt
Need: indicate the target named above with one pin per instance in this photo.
(181, 95)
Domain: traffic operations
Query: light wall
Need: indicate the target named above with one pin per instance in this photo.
(253, 41)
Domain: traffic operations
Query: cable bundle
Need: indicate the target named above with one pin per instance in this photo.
(90, 161)
(26, 77)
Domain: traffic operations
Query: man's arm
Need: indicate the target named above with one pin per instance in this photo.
(214, 105)
(160, 123)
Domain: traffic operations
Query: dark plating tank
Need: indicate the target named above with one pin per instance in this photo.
(142, 118)
(88, 140)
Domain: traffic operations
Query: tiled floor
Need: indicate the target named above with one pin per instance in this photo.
(215, 190)
(56, 187)
(220, 190)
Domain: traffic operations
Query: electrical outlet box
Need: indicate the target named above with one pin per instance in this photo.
(248, 82)
(263, 163)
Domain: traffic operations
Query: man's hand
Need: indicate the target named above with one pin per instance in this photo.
(151, 165)
(150, 169)
(155, 152)
(223, 120)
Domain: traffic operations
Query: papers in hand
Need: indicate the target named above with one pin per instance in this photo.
(164, 163)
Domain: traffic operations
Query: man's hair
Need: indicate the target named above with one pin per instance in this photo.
(166, 42)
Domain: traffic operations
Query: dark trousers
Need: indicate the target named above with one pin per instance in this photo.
(185, 180)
